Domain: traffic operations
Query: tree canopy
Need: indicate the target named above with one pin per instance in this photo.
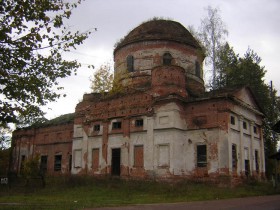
(102, 79)
(236, 71)
(33, 40)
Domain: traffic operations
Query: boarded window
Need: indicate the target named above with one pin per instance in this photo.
(57, 162)
(167, 59)
(78, 158)
(163, 120)
(130, 63)
(234, 157)
(117, 125)
(138, 156)
(95, 159)
(201, 156)
(163, 156)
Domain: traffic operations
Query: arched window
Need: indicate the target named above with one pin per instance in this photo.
(197, 69)
(167, 58)
(130, 63)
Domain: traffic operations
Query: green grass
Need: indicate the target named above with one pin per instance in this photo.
(85, 192)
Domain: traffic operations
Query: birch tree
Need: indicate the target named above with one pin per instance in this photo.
(212, 34)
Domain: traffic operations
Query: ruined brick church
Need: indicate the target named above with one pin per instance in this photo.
(162, 125)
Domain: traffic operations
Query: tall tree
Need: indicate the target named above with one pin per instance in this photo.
(211, 34)
(33, 39)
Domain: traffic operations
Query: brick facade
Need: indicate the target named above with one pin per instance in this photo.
(162, 124)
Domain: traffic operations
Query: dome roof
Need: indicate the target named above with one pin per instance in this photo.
(160, 30)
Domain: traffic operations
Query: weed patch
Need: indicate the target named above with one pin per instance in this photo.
(73, 192)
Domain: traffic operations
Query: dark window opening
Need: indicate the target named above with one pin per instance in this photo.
(97, 127)
(257, 161)
(139, 123)
(201, 156)
(44, 164)
(57, 162)
(255, 130)
(247, 168)
(70, 162)
(232, 120)
(22, 163)
(197, 69)
(167, 58)
(130, 63)
(116, 162)
(245, 125)
(117, 125)
(234, 157)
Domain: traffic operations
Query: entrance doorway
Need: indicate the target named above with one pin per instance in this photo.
(116, 162)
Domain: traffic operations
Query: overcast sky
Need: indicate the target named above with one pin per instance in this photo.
(251, 23)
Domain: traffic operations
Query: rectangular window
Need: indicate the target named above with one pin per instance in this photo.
(244, 125)
(246, 161)
(163, 156)
(234, 157)
(139, 123)
(255, 130)
(78, 158)
(97, 127)
(201, 156)
(70, 162)
(138, 156)
(44, 164)
(95, 159)
(22, 163)
(232, 120)
(257, 161)
(117, 125)
(57, 162)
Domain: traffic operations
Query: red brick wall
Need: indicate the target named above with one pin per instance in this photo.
(48, 141)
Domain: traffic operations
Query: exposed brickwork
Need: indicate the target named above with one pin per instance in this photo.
(47, 141)
(161, 125)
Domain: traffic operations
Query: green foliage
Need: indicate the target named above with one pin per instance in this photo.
(236, 71)
(33, 40)
(102, 80)
(31, 167)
